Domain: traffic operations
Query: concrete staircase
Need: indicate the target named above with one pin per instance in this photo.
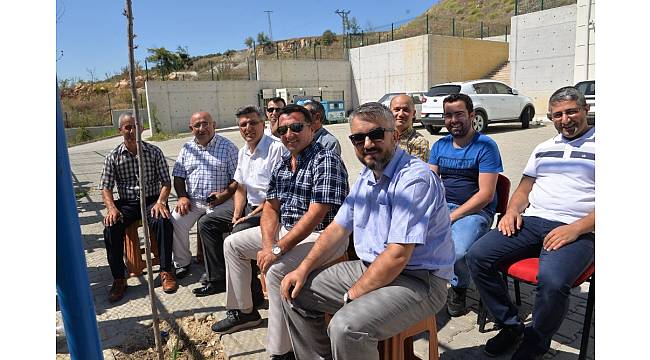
(501, 73)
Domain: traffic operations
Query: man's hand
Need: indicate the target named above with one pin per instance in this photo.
(265, 259)
(236, 221)
(510, 223)
(112, 217)
(160, 209)
(183, 206)
(560, 236)
(293, 281)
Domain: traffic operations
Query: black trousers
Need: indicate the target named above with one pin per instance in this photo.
(211, 227)
(114, 235)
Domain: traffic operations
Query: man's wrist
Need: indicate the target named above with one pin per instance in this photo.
(346, 298)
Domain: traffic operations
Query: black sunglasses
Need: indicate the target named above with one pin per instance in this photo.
(295, 128)
(374, 135)
(273, 109)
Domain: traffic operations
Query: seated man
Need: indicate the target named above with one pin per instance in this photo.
(557, 198)
(273, 108)
(321, 135)
(400, 221)
(121, 169)
(203, 180)
(256, 160)
(469, 164)
(411, 141)
(305, 191)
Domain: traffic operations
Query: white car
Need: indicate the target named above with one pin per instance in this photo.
(588, 89)
(417, 100)
(493, 102)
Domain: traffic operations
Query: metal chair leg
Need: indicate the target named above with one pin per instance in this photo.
(481, 319)
(517, 293)
(586, 326)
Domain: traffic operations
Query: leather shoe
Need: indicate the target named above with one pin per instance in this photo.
(204, 279)
(168, 280)
(117, 290)
(210, 289)
(182, 272)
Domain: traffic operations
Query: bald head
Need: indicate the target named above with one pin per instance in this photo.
(202, 127)
(403, 110)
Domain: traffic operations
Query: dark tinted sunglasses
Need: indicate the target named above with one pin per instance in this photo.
(295, 128)
(374, 135)
(273, 109)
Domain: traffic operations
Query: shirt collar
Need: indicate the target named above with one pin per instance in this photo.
(407, 133)
(122, 148)
(263, 141)
(389, 170)
(306, 153)
(210, 143)
(559, 138)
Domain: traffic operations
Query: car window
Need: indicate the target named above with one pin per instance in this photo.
(416, 99)
(484, 88)
(587, 88)
(501, 89)
(387, 97)
(442, 90)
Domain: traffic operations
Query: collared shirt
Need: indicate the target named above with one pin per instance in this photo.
(267, 132)
(329, 141)
(405, 206)
(565, 178)
(121, 169)
(206, 169)
(320, 177)
(414, 143)
(254, 169)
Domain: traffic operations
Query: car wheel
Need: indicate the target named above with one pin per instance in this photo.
(432, 130)
(480, 122)
(526, 117)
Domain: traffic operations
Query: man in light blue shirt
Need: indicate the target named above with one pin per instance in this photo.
(399, 216)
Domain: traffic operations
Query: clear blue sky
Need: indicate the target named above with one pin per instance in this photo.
(92, 34)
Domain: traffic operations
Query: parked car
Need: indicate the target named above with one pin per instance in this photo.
(417, 100)
(493, 101)
(588, 89)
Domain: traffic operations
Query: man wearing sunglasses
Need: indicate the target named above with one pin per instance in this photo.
(305, 191)
(321, 135)
(411, 141)
(273, 108)
(398, 214)
(203, 180)
(469, 164)
(256, 160)
(551, 215)
(121, 170)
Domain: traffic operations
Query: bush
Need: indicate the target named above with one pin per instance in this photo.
(328, 37)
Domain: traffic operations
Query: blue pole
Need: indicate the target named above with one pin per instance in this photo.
(73, 291)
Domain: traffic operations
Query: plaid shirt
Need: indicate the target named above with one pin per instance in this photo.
(415, 144)
(121, 168)
(321, 177)
(206, 169)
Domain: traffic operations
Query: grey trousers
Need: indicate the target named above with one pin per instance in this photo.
(239, 249)
(357, 327)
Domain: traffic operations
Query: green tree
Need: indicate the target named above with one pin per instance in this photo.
(262, 39)
(170, 61)
(249, 42)
(328, 37)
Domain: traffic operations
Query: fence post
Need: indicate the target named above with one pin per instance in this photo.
(427, 23)
(392, 32)
(361, 37)
(453, 27)
(146, 70)
(110, 107)
(506, 33)
(488, 31)
(277, 51)
(481, 30)
(542, 1)
(248, 65)
(516, 7)
(314, 50)
(211, 70)
(320, 50)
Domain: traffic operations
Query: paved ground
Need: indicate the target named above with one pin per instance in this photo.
(458, 337)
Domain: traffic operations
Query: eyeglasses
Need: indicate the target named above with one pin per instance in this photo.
(197, 126)
(247, 123)
(272, 109)
(374, 135)
(295, 128)
(128, 127)
(558, 114)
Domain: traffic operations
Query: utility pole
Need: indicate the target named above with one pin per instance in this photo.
(268, 15)
(344, 18)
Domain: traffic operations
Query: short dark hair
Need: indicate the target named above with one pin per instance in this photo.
(277, 99)
(317, 106)
(292, 108)
(248, 109)
(459, 97)
(567, 93)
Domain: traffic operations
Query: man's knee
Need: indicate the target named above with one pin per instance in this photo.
(275, 274)
(341, 328)
(553, 282)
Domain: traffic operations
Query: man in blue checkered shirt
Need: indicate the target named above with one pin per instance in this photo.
(203, 180)
(121, 170)
(305, 191)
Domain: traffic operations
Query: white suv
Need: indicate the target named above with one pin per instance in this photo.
(493, 102)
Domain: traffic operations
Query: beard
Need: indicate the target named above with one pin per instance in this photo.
(378, 160)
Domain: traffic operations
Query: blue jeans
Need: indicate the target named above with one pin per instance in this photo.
(464, 232)
(558, 270)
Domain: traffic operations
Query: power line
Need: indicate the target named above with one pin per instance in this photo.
(268, 13)
(344, 18)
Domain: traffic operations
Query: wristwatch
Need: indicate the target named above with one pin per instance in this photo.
(346, 298)
(276, 250)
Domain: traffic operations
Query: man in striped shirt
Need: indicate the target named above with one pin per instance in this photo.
(121, 169)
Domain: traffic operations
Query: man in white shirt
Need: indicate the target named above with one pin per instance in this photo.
(255, 162)
(273, 108)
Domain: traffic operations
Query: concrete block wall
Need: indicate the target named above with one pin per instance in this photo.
(585, 56)
(542, 53)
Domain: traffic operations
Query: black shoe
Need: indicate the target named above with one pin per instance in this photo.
(210, 289)
(526, 352)
(236, 320)
(258, 300)
(204, 279)
(182, 272)
(287, 356)
(456, 301)
(505, 339)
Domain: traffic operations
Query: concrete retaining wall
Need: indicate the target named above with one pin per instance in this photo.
(92, 130)
(115, 115)
(419, 62)
(585, 57)
(542, 53)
